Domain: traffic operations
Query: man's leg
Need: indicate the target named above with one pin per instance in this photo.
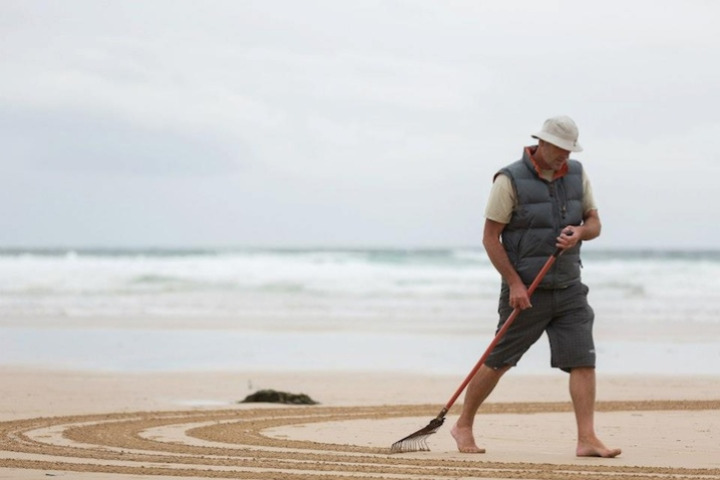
(481, 385)
(582, 392)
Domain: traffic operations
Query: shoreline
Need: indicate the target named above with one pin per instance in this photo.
(620, 352)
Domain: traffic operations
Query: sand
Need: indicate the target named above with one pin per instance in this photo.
(91, 426)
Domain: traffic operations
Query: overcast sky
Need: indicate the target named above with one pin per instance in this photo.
(347, 123)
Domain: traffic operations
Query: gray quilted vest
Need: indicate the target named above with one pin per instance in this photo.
(543, 209)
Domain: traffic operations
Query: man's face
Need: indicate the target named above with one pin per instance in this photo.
(554, 157)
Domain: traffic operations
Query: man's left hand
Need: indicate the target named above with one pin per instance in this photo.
(569, 237)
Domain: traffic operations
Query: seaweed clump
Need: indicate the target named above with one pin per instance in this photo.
(274, 396)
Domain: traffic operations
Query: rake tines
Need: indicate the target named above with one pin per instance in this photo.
(417, 442)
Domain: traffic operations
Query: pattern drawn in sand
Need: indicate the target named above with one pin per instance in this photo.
(235, 444)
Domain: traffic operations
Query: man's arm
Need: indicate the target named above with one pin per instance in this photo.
(498, 257)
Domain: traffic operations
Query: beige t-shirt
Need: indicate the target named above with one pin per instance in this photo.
(503, 200)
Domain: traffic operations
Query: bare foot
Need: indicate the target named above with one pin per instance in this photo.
(465, 440)
(595, 448)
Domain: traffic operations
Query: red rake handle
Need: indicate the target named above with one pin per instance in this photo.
(501, 332)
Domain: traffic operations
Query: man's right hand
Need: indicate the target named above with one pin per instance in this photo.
(519, 297)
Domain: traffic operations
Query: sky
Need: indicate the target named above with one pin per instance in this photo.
(285, 123)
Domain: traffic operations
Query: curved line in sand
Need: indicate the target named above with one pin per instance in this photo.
(231, 444)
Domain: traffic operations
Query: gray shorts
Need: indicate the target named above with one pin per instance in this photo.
(566, 317)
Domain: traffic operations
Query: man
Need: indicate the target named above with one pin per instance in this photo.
(539, 203)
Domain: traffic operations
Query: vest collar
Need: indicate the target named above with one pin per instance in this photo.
(528, 157)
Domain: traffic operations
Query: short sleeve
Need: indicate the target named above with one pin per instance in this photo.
(588, 201)
(502, 200)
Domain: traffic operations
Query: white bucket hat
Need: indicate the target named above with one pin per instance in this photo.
(562, 132)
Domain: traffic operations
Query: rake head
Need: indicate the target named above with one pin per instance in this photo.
(417, 442)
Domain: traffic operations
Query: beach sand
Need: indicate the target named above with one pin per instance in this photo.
(92, 425)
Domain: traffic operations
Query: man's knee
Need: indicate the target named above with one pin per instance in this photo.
(498, 371)
(582, 372)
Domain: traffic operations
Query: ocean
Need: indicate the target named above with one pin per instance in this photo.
(412, 310)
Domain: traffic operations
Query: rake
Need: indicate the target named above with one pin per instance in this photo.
(417, 442)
